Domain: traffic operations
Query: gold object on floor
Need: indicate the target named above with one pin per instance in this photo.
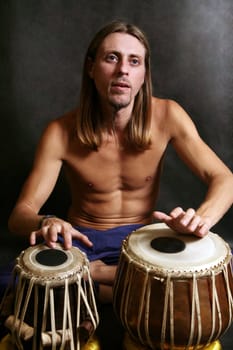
(214, 346)
(130, 344)
(6, 344)
(92, 344)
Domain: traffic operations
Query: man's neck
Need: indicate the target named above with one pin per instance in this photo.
(116, 120)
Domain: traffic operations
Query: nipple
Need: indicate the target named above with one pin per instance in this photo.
(148, 178)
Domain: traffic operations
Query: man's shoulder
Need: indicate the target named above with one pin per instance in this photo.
(63, 124)
(65, 120)
(164, 109)
(168, 109)
(170, 117)
(164, 103)
(58, 133)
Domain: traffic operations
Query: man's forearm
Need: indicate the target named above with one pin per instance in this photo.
(218, 200)
(24, 220)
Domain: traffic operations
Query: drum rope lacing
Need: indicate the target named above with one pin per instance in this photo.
(27, 283)
(169, 302)
(230, 298)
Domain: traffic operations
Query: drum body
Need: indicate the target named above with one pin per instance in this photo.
(174, 291)
(53, 300)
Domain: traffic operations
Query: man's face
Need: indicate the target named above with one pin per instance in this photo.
(119, 69)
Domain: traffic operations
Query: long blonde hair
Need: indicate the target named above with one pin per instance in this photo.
(89, 119)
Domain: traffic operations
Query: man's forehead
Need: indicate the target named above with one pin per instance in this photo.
(122, 42)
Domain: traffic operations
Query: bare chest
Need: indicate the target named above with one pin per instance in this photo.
(111, 169)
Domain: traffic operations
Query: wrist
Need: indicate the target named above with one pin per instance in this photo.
(42, 220)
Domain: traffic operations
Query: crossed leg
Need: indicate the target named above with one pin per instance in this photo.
(104, 275)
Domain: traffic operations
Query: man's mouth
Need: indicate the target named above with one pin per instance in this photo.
(121, 85)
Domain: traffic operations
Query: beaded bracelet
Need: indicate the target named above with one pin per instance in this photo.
(44, 218)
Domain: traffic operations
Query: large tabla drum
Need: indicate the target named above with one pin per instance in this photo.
(50, 302)
(174, 291)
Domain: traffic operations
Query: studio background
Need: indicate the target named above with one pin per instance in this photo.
(42, 47)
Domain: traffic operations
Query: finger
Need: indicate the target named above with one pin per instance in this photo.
(161, 216)
(78, 235)
(195, 223)
(202, 230)
(50, 244)
(86, 241)
(51, 232)
(67, 238)
(32, 238)
(187, 217)
(177, 212)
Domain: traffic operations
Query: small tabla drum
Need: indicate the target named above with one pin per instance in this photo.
(53, 303)
(174, 291)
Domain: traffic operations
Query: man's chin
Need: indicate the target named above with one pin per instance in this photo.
(117, 104)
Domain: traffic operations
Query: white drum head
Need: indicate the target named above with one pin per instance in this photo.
(149, 246)
(45, 263)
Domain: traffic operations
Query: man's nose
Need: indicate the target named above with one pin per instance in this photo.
(123, 67)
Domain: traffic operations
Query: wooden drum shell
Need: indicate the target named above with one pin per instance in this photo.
(172, 311)
(51, 306)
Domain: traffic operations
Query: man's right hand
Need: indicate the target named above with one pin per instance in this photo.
(52, 227)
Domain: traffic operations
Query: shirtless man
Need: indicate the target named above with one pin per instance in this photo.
(112, 149)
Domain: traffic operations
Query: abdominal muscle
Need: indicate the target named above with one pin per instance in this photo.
(113, 209)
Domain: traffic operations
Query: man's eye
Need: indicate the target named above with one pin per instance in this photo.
(135, 61)
(112, 58)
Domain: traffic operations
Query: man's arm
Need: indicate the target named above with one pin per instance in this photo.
(24, 219)
(39, 184)
(207, 166)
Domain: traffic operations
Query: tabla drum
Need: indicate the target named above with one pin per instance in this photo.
(174, 291)
(53, 299)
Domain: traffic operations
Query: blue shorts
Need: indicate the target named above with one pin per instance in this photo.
(106, 247)
(106, 243)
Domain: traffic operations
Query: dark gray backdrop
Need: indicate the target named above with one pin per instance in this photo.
(42, 45)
